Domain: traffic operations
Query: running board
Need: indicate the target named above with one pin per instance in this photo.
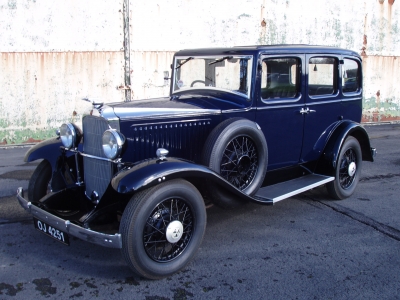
(277, 192)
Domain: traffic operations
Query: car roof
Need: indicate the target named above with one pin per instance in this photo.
(268, 49)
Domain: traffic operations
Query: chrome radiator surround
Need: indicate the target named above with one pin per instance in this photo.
(97, 172)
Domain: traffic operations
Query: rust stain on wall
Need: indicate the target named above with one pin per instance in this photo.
(381, 101)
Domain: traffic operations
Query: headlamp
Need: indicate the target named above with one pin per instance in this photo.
(70, 135)
(113, 142)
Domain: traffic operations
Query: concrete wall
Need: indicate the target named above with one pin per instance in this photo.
(52, 54)
(381, 61)
(55, 52)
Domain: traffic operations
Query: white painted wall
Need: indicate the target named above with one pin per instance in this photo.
(64, 25)
(55, 52)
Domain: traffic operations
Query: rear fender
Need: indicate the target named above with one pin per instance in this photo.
(328, 161)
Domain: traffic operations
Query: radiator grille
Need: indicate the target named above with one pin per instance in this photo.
(93, 129)
(98, 173)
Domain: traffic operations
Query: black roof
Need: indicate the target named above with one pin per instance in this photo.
(269, 49)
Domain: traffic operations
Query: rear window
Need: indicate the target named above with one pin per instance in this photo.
(350, 76)
(322, 76)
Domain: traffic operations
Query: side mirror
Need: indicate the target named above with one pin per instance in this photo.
(166, 78)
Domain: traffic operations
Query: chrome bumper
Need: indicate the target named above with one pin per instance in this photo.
(102, 239)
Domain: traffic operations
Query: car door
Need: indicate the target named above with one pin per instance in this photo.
(322, 102)
(279, 102)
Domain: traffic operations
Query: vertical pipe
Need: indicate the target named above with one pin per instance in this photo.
(127, 58)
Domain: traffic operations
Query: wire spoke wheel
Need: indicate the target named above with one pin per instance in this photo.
(162, 227)
(239, 163)
(347, 171)
(168, 230)
(236, 149)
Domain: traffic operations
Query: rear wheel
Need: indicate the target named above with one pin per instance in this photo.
(347, 172)
(162, 228)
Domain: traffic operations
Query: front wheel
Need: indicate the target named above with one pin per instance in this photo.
(39, 184)
(162, 228)
(347, 172)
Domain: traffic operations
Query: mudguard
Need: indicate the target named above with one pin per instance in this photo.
(336, 140)
(152, 172)
(49, 149)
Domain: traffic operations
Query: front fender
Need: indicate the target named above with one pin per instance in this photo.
(152, 172)
(50, 149)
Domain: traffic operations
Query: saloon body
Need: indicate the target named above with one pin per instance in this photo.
(245, 124)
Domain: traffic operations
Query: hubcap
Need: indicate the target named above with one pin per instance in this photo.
(352, 169)
(348, 169)
(174, 231)
(244, 164)
(168, 230)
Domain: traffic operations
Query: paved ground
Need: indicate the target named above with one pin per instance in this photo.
(306, 247)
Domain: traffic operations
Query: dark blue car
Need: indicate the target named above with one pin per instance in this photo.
(244, 124)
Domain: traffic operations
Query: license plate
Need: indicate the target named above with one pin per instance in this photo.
(51, 231)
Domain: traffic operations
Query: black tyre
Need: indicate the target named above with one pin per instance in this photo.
(39, 184)
(162, 228)
(237, 150)
(347, 172)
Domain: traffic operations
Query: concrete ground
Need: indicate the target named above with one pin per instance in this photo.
(306, 247)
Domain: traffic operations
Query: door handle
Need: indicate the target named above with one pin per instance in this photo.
(303, 111)
(306, 111)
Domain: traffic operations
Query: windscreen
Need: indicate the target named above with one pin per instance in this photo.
(228, 73)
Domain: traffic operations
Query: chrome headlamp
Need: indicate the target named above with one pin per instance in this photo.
(70, 135)
(113, 142)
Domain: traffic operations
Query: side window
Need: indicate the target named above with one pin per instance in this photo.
(322, 74)
(280, 78)
(350, 76)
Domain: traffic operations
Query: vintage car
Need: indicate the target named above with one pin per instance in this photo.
(244, 124)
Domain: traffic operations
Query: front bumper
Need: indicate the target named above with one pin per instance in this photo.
(102, 239)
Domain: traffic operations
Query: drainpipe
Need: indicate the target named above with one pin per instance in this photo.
(127, 57)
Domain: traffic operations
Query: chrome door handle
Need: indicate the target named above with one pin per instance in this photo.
(307, 111)
(303, 111)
